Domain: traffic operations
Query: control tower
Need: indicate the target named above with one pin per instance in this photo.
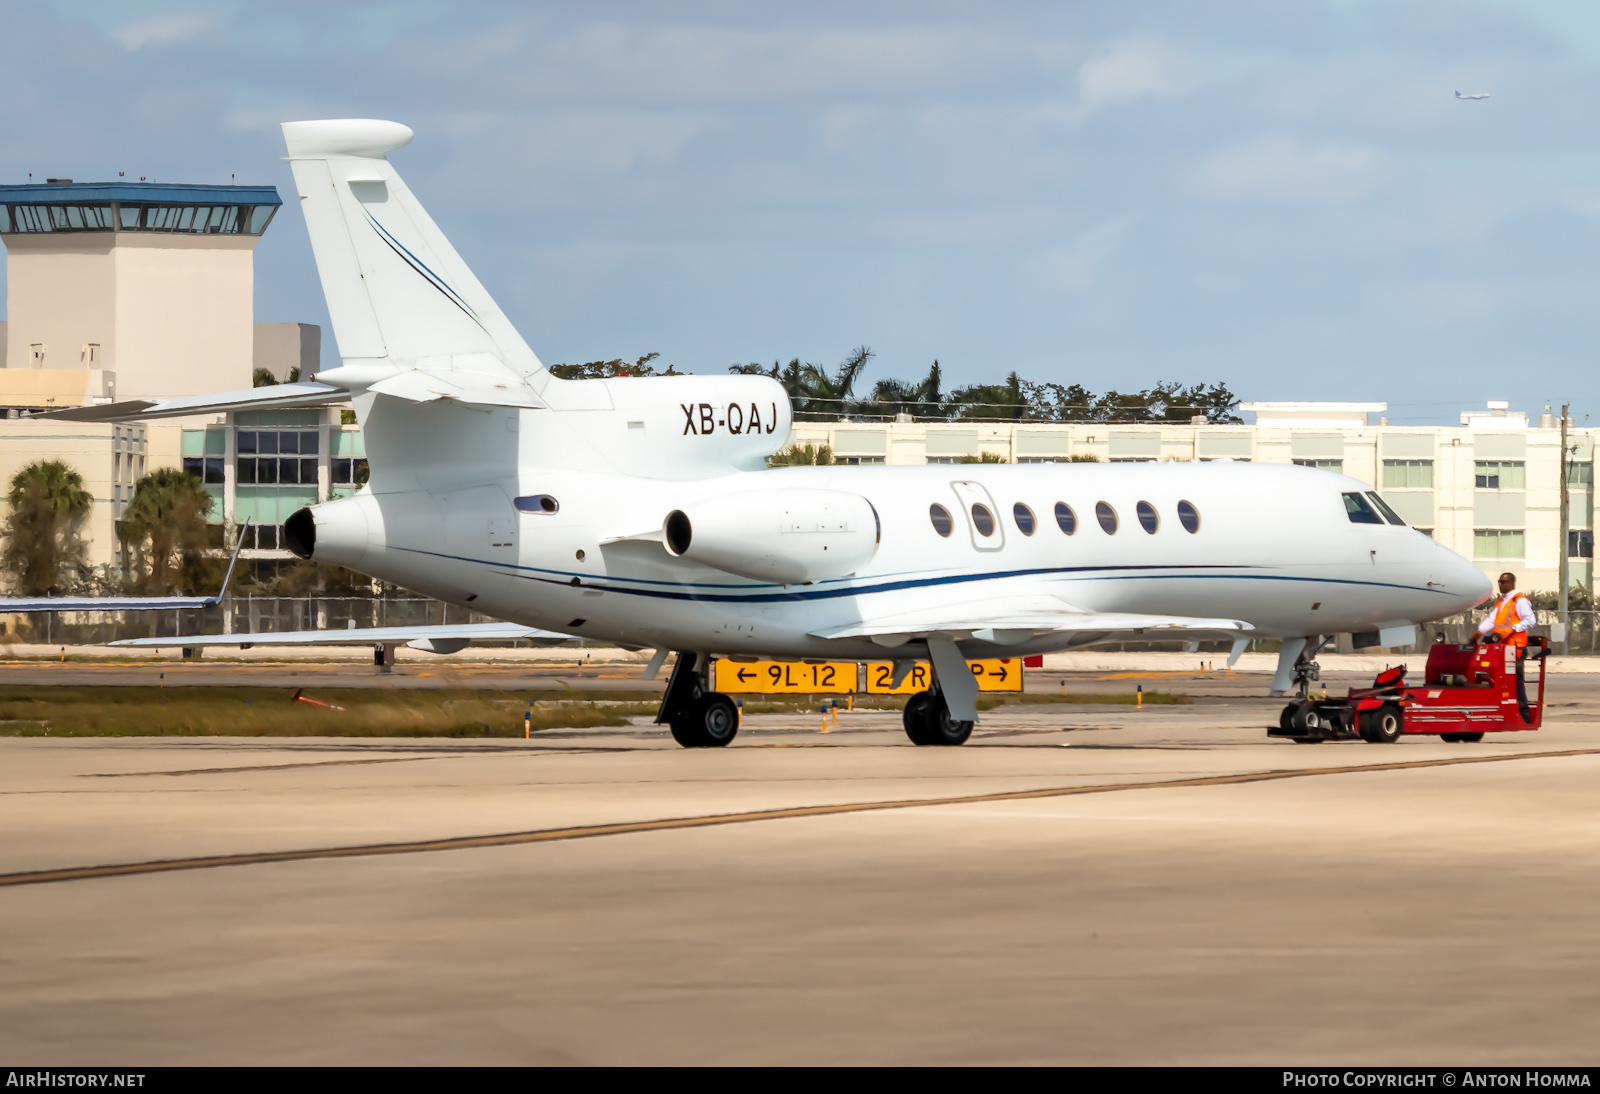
(120, 290)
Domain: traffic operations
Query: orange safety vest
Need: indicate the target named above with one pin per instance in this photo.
(1505, 618)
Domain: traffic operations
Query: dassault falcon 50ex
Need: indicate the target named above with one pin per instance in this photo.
(641, 511)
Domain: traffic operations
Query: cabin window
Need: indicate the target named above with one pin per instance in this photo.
(1107, 517)
(982, 520)
(1149, 520)
(1024, 518)
(1189, 517)
(1359, 510)
(1066, 518)
(941, 519)
(1383, 507)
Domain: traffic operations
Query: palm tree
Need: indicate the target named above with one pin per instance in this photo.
(166, 524)
(815, 394)
(43, 531)
(920, 400)
(801, 455)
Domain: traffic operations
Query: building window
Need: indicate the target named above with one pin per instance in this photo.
(1133, 459)
(946, 459)
(1580, 543)
(348, 472)
(1500, 475)
(286, 457)
(1336, 466)
(858, 461)
(1425, 531)
(1408, 474)
(208, 469)
(1581, 475)
(1497, 543)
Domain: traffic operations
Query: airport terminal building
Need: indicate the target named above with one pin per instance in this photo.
(122, 291)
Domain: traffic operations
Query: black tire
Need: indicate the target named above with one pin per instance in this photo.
(1450, 738)
(916, 718)
(1286, 719)
(1470, 738)
(1382, 726)
(928, 721)
(1308, 740)
(1308, 720)
(710, 722)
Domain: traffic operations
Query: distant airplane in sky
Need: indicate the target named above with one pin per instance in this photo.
(1478, 95)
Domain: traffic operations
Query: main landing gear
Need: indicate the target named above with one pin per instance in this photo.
(928, 722)
(697, 718)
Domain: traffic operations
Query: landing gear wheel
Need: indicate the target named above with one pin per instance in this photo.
(917, 716)
(710, 722)
(928, 721)
(1456, 738)
(1382, 726)
(1286, 719)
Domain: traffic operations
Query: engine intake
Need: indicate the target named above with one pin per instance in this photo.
(792, 537)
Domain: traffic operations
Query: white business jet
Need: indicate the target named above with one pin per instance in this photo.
(641, 511)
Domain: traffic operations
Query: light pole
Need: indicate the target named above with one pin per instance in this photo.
(1562, 564)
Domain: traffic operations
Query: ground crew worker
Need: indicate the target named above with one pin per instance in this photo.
(1509, 623)
(1511, 618)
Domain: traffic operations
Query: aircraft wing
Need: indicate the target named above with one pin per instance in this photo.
(103, 603)
(272, 397)
(1011, 620)
(435, 639)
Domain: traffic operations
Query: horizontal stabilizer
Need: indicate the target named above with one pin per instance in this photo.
(432, 638)
(104, 603)
(273, 397)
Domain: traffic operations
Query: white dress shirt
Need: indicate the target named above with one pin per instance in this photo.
(1525, 616)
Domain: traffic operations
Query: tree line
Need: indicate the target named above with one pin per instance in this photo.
(170, 545)
(822, 395)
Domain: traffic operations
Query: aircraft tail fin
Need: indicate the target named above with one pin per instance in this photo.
(398, 293)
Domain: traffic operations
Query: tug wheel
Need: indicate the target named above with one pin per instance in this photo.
(1382, 726)
(1455, 738)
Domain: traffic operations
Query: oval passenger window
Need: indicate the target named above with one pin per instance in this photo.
(1148, 520)
(1024, 518)
(1107, 517)
(941, 519)
(1066, 518)
(983, 520)
(1189, 517)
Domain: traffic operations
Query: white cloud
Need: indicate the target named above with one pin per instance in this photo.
(164, 29)
(1287, 171)
(1131, 70)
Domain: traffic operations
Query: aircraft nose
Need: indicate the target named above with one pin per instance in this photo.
(1470, 585)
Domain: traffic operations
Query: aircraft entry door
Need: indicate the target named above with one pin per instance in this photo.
(983, 518)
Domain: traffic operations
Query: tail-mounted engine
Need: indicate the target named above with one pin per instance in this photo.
(792, 537)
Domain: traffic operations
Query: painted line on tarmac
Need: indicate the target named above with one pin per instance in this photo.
(260, 767)
(591, 831)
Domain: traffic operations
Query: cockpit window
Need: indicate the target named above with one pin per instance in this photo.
(1383, 507)
(1359, 510)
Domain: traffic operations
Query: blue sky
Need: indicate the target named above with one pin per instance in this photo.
(1284, 196)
